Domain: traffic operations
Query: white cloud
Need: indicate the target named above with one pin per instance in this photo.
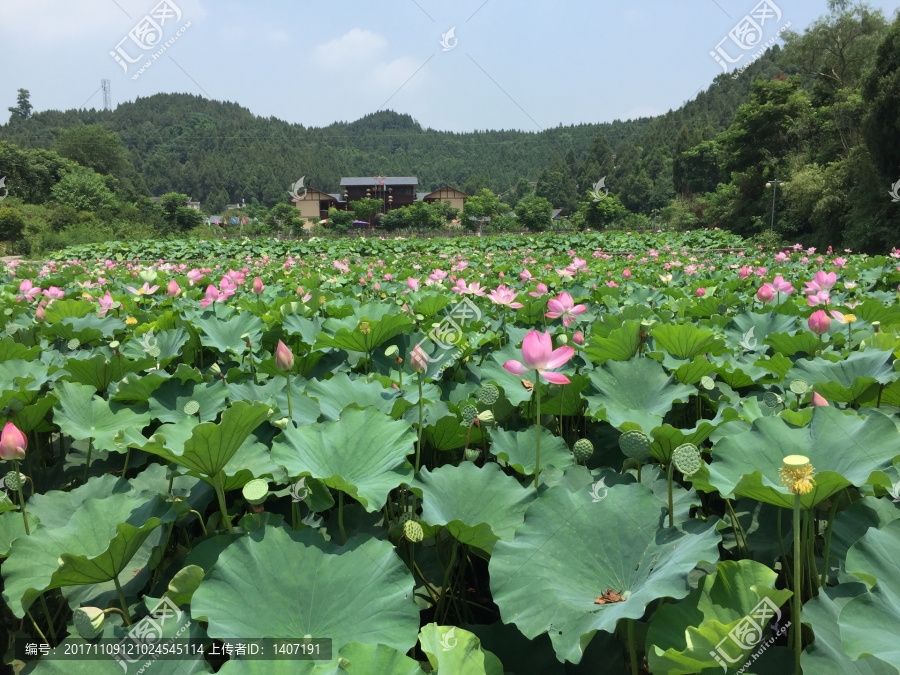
(358, 48)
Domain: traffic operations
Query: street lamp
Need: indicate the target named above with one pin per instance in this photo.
(774, 182)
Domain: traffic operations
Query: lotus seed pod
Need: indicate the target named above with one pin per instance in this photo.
(154, 352)
(799, 387)
(772, 400)
(214, 369)
(413, 531)
(114, 344)
(797, 474)
(88, 621)
(687, 459)
(486, 417)
(14, 480)
(256, 491)
(707, 383)
(12, 329)
(635, 444)
(489, 394)
(469, 413)
(404, 517)
(74, 343)
(191, 408)
(393, 350)
(282, 423)
(344, 663)
(472, 455)
(583, 449)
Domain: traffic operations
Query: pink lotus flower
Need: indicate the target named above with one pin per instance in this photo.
(781, 257)
(766, 293)
(701, 292)
(54, 293)
(194, 276)
(258, 287)
(782, 286)
(626, 273)
(214, 295)
(819, 322)
(823, 281)
(438, 275)
(28, 290)
(40, 314)
(106, 304)
(578, 338)
(539, 355)
(612, 284)
(173, 290)
(284, 357)
(819, 298)
(524, 275)
(505, 296)
(146, 289)
(744, 272)
(413, 284)
(760, 271)
(418, 359)
(541, 290)
(563, 306)
(818, 400)
(12, 443)
(304, 297)
(840, 262)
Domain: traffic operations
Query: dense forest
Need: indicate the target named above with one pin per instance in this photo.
(821, 115)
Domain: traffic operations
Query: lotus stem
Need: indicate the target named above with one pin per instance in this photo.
(127, 456)
(421, 413)
(87, 464)
(220, 493)
(537, 441)
(796, 608)
(811, 553)
(341, 516)
(287, 376)
(22, 498)
(785, 566)
(632, 650)
(295, 515)
(828, 531)
(49, 619)
(670, 473)
(122, 600)
(37, 628)
(200, 518)
(738, 528)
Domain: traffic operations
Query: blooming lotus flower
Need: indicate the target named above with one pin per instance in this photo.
(563, 306)
(665, 278)
(850, 285)
(12, 443)
(822, 281)
(503, 295)
(413, 284)
(146, 289)
(54, 293)
(840, 262)
(524, 275)
(538, 355)
(760, 271)
(612, 284)
(819, 322)
(106, 304)
(194, 276)
(258, 287)
(541, 290)
(781, 256)
(284, 357)
(744, 272)
(782, 286)
(418, 360)
(28, 290)
(819, 298)
(766, 293)
(212, 295)
(173, 290)
(818, 400)
(438, 275)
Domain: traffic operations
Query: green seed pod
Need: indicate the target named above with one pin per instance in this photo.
(486, 417)
(469, 413)
(14, 480)
(635, 444)
(114, 344)
(562, 339)
(583, 449)
(214, 369)
(88, 621)
(12, 329)
(154, 352)
(489, 394)
(799, 387)
(707, 383)
(191, 408)
(472, 455)
(393, 350)
(344, 663)
(73, 344)
(772, 400)
(413, 531)
(404, 518)
(687, 459)
(256, 491)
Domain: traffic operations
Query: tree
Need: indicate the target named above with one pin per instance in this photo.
(339, 222)
(522, 190)
(485, 204)
(365, 208)
(83, 190)
(11, 224)
(217, 201)
(557, 185)
(284, 217)
(23, 108)
(176, 215)
(535, 213)
(598, 215)
(881, 91)
(94, 147)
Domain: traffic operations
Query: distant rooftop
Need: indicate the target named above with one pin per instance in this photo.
(380, 180)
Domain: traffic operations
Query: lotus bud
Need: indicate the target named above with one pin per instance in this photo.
(284, 357)
(258, 287)
(818, 400)
(701, 292)
(40, 314)
(819, 322)
(562, 339)
(88, 621)
(797, 474)
(12, 443)
(418, 360)
(172, 290)
(578, 338)
(486, 417)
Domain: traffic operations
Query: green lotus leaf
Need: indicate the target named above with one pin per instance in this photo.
(369, 327)
(280, 584)
(454, 651)
(94, 546)
(492, 371)
(826, 656)
(844, 449)
(169, 343)
(33, 417)
(168, 401)
(449, 434)
(683, 340)
(763, 325)
(307, 329)
(574, 546)
(620, 345)
(681, 636)
(802, 342)
(363, 454)
(477, 505)
(138, 388)
(82, 415)
(341, 392)
(694, 371)
(224, 334)
(868, 623)
(854, 521)
(274, 393)
(848, 379)
(637, 392)
(521, 655)
(516, 448)
(99, 371)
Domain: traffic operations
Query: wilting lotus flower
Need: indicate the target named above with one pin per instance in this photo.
(304, 297)
(505, 296)
(258, 287)
(28, 290)
(822, 281)
(843, 318)
(418, 360)
(541, 290)
(766, 293)
(819, 322)
(284, 357)
(538, 354)
(818, 400)
(54, 293)
(782, 286)
(563, 306)
(173, 289)
(106, 304)
(412, 284)
(194, 276)
(12, 443)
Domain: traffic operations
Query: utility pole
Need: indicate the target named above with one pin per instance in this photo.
(773, 183)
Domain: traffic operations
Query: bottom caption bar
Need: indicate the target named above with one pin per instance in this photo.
(131, 650)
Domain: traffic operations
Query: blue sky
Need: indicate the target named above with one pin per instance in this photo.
(526, 64)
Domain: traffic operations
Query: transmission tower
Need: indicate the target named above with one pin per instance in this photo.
(107, 94)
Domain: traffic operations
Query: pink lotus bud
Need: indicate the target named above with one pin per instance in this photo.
(172, 290)
(819, 322)
(766, 293)
(701, 292)
(626, 273)
(818, 400)
(284, 357)
(12, 443)
(418, 360)
(258, 286)
(578, 338)
(40, 314)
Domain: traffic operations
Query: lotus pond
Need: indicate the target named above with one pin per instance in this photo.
(558, 454)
